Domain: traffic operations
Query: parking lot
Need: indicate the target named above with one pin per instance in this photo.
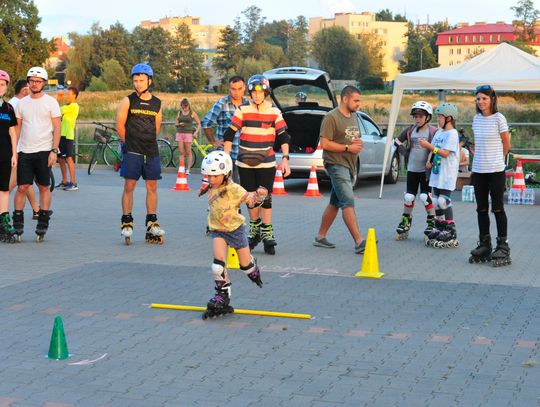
(435, 331)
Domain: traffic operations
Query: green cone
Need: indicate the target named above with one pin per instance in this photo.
(58, 349)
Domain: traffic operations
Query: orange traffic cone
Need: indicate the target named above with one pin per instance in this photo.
(181, 179)
(279, 187)
(519, 179)
(312, 190)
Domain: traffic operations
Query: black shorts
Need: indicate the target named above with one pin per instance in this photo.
(5, 175)
(65, 147)
(252, 178)
(34, 166)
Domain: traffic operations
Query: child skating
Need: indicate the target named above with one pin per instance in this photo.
(226, 228)
(408, 145)
(444, 164)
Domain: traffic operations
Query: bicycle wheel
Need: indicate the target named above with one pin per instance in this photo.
(165, 152)
(112, 153)
(93, 161)
(175, 157)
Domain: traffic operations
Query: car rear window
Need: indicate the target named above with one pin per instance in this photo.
(315, 97)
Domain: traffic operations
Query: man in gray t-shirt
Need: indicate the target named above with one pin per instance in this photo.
(408, 143)
(341, 144)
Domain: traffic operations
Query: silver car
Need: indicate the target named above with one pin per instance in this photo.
(304, 114)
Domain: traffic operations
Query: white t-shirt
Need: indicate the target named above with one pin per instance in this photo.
(445, 170)
(14, 101)
(488, 146)
(37, 128)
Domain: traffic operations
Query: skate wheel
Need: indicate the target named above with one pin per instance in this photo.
(18, 238)
(269, 250)
(40, 238)
(471, 260)
(128, 240)
(456, 244)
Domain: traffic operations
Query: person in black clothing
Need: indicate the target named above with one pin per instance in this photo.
(138, 122)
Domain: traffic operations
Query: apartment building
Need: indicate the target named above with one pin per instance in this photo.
(467, 41)
(205, 36)
(390, 33)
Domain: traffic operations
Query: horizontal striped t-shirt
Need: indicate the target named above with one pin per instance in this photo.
(488, 146)
(259, 126)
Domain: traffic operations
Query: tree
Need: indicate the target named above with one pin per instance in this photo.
(297, 50)
(21, 43)
(228, 51)
(337, 52)
(250, 66)
(153, 46)
(419, 54)
(251, 27)
(524, 25)
(387, 15)
(113, 74)
(79, 60)
(189, 73)
(112, 43)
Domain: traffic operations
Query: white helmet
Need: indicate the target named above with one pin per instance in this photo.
(422, 105)
(216, 163)
(37, 71)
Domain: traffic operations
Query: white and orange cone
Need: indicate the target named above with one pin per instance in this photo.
(312, 190)
(181, 179)
(279, 187)
(519, 179)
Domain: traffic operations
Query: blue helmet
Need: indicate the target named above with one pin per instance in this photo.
(142, 69)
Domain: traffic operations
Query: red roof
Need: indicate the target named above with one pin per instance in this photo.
(61, 47)
(480, 34)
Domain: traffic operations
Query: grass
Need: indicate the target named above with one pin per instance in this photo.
(101, 106)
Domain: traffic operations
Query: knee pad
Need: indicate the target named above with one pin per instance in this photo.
(409, 199)
(218, 268)
(267, 203)
(425, 198)
(444, 202)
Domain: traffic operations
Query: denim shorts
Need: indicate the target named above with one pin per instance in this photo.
(237, 239)
(136, 165)
(342, 195)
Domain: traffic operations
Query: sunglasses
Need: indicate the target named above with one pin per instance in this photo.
(483, 87)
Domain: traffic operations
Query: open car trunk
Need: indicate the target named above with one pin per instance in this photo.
(304, 128)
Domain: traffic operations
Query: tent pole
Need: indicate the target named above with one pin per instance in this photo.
(394, 112)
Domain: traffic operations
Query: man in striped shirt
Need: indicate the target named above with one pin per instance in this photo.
(261, 127)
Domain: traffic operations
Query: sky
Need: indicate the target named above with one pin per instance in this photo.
(62, 16)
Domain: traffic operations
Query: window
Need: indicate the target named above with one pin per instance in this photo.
(371, 128)
(474, 38)
(457, 39)
(466, 38)
(481, 38)
(458, 51)
(451, 63)
(451, 51)
(468, 51)
(491, 38)
(499, 37)
(449, 39)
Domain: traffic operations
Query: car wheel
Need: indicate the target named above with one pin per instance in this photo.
(393, 174)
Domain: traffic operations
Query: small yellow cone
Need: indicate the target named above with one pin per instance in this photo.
(232, 259)
(370, 264)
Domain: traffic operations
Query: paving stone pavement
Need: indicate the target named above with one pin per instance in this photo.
(435, 331)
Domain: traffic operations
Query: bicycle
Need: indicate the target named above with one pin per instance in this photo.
(109, 148)
(196, 147)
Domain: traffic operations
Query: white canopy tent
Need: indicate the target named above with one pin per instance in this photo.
(505, 68)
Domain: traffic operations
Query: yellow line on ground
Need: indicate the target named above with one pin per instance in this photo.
(236, 311)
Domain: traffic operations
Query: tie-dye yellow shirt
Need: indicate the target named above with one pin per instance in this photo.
(224, 203)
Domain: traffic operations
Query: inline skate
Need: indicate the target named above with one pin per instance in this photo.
(219, 303)
(447, 237)
(255, 275)
(432, 237)
(482, 253)
(254, 233)
(501, 255)
(268, 239)
(42, 224)
(18, 225)
(127, 228)
(154, 233)
(7, 233)
(430, 225)
(402, 231)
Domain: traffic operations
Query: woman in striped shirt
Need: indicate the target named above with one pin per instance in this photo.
(492, 143)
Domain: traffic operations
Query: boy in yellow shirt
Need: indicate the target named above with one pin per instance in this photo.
(226, 226)
(70, 111)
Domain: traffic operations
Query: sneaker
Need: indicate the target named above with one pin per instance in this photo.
(71, 187)
(360, 247)
(61, 186)
(323, 243)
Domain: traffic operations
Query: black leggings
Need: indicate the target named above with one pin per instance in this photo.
(493, 184)
(415, 180)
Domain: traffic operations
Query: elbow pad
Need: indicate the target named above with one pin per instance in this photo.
(283, 138)
(229, 134)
